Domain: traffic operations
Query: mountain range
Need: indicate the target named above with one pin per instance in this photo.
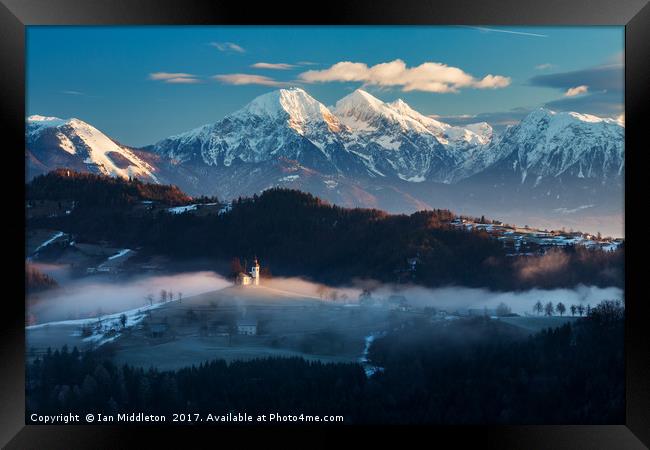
(552, 169)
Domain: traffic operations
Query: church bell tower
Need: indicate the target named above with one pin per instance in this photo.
(255, 272)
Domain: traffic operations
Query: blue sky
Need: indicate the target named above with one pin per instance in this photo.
(141, 84)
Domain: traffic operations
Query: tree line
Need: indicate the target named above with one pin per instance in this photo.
(89, 189)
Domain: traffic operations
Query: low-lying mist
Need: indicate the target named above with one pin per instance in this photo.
(521, 302)
(447, 298)
(90, 297)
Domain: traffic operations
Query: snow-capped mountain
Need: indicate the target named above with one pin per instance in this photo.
(366, 152)
(363, 113)
(57, 143)
(547, 145)
(361, 135)
(286, 123)
(550, 144)
(394, 140)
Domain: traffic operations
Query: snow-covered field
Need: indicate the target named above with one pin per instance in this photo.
(98, 329)
(104, 329)
(54, 237)
(185, 208)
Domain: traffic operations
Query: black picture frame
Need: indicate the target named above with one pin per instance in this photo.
(15, 15)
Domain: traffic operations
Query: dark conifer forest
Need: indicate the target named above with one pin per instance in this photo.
(474, 371)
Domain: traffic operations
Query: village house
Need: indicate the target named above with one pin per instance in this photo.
(247, 327)
(412, 263)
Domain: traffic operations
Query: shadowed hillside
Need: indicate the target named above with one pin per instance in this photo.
(297, 234)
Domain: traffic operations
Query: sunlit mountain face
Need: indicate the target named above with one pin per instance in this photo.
(551, 169)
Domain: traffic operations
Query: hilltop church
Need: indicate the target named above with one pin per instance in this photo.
(250, 279)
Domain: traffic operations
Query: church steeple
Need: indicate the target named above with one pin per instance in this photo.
(255, 272)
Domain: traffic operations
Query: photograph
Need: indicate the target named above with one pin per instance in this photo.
(319, 224)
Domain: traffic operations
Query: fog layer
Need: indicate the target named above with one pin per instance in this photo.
(96, 296)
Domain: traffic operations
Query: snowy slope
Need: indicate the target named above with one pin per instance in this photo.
(284, 123)
(361, 136)
(395, 139)
(548, 144)
(75, 144)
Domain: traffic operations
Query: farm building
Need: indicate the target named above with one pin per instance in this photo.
(247, 327)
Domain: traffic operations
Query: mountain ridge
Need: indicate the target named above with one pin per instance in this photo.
(364, 152)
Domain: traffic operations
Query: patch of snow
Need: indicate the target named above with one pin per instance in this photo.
(289, 178)
(368, 368)
(120, 253)
(414, 179)
(182, 209)
(227, 208)
(331, 184)
(48, 242)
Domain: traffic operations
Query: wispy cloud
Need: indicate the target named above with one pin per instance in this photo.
(273, 66)
(182, 80)
(604, 96)
(228, 47)
(498, 30)
(427, 77)
(572, 92)
(544, 66)
(174, 77)
(499, 120)
(241, 79)
(72, 92)
(606, 77)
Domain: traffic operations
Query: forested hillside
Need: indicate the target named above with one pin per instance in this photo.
(89, 189)
(296, 234)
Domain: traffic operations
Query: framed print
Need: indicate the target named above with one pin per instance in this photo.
(411, 215)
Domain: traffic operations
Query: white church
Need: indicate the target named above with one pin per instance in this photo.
(250, 279)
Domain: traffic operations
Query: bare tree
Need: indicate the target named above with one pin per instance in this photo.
(321, 291)
(548, 309)
(503, 309)
(538, 307)
(236, 267)
(123, 320)
(365, 297)
(149, 299)
(180, 296)
(573, 310)
(560, 308)
(581, 310)
(163, 296)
